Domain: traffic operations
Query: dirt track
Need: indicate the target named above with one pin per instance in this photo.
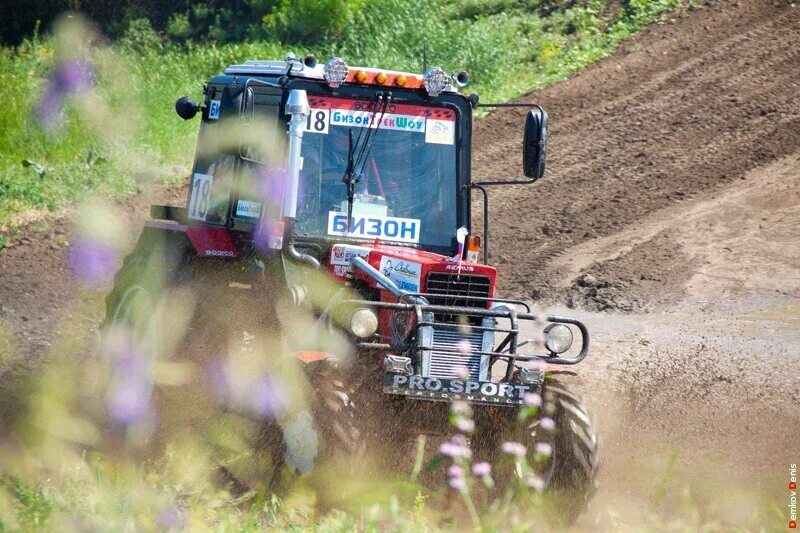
(674, 183)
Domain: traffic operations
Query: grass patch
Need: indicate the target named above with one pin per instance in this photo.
(127, 131)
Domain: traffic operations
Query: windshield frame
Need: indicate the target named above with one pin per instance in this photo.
(463, 131)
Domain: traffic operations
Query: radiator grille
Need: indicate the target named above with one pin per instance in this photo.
(449, 288)
(444, 365)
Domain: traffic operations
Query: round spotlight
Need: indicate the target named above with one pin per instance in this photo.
(335, 71)
(462, 78)
(557, 338)
(401, 80)
(435, 81)
(364, 323)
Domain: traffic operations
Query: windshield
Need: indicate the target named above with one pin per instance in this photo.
(405, 172)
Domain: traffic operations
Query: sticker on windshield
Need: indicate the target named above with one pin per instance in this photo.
(440, 131)
(317, 121)
(367, 119)
(213, 109)
(405, 274)
(374, 227)
(248, 209)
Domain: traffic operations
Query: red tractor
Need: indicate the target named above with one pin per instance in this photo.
(343, 195)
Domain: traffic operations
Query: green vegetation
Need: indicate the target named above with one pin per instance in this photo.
(124, 130)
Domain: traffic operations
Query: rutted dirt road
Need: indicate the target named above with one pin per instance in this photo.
(672, 191)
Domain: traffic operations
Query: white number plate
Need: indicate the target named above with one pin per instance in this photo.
(201, 195)
(318, 121)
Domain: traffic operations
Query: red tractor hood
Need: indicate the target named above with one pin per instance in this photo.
(409, 268)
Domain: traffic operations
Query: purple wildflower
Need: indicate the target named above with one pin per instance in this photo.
(460, 440)
(535, 482)
(455, 471)
(68, 78)
(514, 448)
(482, 469)
(544, 448)
(461, 408)
(171, 517)
(466, 425)
(93, 261)
(532, 399)
(218, 380)
(461, 372)
(456, 447)
(128, 397)
(458, 483)
(268, 398)
(547, 423)
(271, 185)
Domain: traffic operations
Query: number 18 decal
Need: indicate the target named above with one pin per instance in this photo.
(201, 195)
(317, 121)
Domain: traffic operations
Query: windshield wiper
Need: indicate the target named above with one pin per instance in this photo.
(351, 176)
(362, 158)
(349, 179)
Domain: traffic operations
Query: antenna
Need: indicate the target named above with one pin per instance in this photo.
(424, 58)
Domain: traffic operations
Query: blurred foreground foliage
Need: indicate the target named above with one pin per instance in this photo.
(122, 130)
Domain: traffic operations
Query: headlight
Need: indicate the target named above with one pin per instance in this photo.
(335, 71)
(435, 81)
(364, 323)
(557, 338)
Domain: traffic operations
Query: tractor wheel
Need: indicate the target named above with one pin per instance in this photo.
(562, 451)
(571, 471)
(133, 336)
(318, 444)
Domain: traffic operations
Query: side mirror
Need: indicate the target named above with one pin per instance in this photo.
(534, 144)
(186, 108)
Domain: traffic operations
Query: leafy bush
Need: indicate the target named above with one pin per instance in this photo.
(311, 21)
(507, 53)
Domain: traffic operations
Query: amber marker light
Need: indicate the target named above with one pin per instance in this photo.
(361, 76)
(401, 80)
(381, 78)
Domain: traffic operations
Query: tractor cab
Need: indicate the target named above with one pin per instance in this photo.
(366, 173)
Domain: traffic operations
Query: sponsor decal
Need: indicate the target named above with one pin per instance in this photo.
(342, 257)
(248, 209)
(374, 226)
(367, 119)
(211, 242)
(405, 274)
(440, 131)
(465, 268)
(444, 388)
(213, 109)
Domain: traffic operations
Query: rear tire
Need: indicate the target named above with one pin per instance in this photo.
(319, 444)
(314, 442)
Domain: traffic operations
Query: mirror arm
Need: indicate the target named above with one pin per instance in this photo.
(505, 182)
(510, 104)
(480, 187)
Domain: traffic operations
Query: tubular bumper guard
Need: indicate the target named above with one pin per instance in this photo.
(514, 311)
